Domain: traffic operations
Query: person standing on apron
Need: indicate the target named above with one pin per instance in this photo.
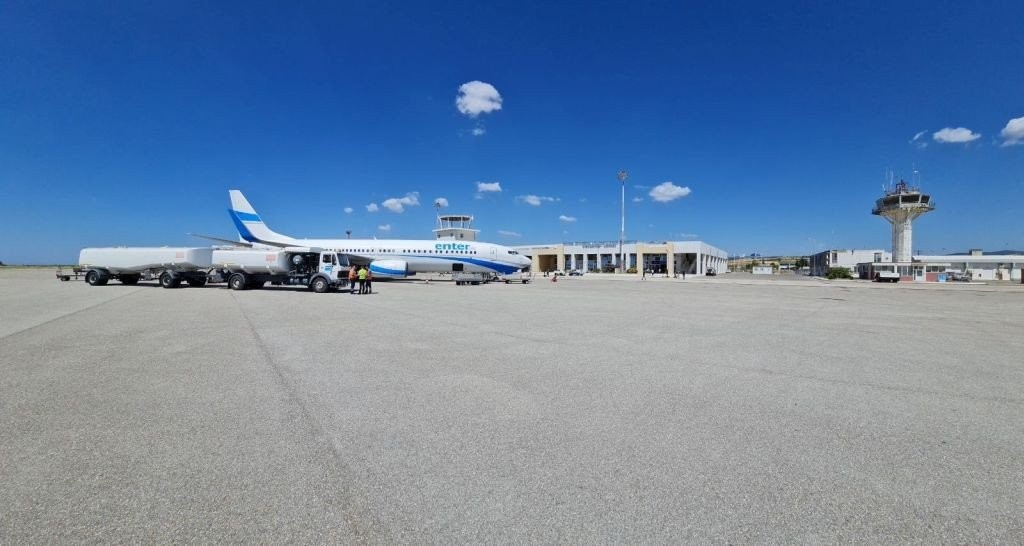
(362, 280)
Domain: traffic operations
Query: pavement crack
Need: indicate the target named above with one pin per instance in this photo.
(363, 523)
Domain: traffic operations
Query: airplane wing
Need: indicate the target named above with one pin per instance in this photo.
(218, 239)
(357, 259)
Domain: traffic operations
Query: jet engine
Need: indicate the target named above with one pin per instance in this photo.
(389, 269)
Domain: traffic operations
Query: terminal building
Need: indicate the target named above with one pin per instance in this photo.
(667, 257)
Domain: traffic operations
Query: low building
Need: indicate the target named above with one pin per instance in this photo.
(668, 257)
(823, 261)
(976, 266)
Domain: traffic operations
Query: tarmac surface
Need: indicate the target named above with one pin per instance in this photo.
(589, 410)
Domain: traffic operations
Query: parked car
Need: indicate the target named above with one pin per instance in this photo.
(711, 272)
(575, 273)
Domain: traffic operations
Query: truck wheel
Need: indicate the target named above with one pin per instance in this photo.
(197, 282)
(129, 279)
(168, 281)
(95, 278)
(320, 285)
(237, 282)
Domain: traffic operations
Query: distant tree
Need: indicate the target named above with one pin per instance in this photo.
(801, 262)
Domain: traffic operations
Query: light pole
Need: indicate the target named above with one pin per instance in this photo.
(348, 233)
(623, 175)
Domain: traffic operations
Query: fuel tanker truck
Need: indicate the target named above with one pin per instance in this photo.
(320, 270)
(170, 265)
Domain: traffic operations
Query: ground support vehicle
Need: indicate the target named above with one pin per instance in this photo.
(886, 276)
(317, 269)
(510, 278)
(170, 265)
(68, 274)
(958, 276)
(470, 278)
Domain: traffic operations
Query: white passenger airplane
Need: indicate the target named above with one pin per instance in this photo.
(387, 258)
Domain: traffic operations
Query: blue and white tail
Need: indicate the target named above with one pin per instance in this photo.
(250, 226)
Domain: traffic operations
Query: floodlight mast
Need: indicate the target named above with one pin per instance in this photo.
(623, 175)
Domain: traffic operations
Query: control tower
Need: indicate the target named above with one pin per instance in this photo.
(455, 226)
(901, 206)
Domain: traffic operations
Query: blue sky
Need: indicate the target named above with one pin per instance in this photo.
(126, 123)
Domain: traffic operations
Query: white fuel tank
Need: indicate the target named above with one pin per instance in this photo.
(274, 262)
(138, 259)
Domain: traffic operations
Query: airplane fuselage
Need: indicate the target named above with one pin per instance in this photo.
(395, 258)
(428, 256)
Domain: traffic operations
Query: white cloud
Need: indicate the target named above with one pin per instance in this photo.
(384, 227)
(640, 187)
(688, 235)
(638, 199)
(484, 187)
(917, 140)
(567, 219)
(372, 207)
(960, 135)
(506, 233)
(441, 201)
(348, 210)
(479, 131)
(583, 199)
(919, 135)
(1013, 133)
(536, 200)
(667, 191)
(477, 97)
(398, 204)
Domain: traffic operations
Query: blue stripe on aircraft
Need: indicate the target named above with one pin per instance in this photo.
(242, 230)
(386, 271)
(247, 216)
(497, 266)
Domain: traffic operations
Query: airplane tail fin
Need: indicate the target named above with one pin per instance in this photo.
(249, 224)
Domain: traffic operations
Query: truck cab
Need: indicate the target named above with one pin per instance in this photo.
(316, 268)
(332, 269)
